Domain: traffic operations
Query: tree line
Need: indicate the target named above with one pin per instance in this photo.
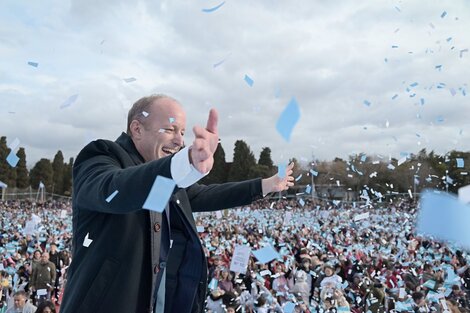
(56, 175)
(413, 172)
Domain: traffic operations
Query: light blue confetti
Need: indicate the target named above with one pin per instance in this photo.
(449, 39)
(298, 177)
(438, 67)
(443, 14)
(159, 194)
(111, 196)
(33, 64)
(395, 96)
(213, 9)
(70, 100)
(12, 159)
(367, 103)
(398, 9)
(249, 81)
(439, 119)
(266, 254)
(171, 119)
(314, 173)
(394, 47)
(414, 84)
(130, 79)
(445, 217)
(281, 170)
(460, 162)
(422, 101)
(308, 189)
(288, 119)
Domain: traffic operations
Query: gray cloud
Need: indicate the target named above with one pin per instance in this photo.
(329, 55)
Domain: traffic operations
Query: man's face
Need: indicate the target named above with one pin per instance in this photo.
(162, 132)
(45, 257)
(19, 301)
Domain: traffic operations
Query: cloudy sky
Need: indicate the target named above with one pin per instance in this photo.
(382, 77)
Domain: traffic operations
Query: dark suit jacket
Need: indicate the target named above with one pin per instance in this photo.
(120, 269)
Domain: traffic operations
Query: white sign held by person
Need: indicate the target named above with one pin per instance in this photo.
(240, 258)
(360, 217)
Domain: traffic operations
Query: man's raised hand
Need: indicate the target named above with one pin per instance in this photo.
(276, 183)
(203, 148)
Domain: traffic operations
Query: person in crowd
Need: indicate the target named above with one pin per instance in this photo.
(43, 278)
(21, 303)
(46, 307)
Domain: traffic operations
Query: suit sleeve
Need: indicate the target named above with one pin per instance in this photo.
(98, 173)
(223, 196)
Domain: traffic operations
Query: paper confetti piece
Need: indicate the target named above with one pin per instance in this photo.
(281, 170)
(402, 160)
(398, 9)
(308, 189)
(394, 47)
(14, 144)
(395, 96)
(249, 81)
(145, 114)
(171, 119)
(302, 202)
(87, 241)
(266, 254)
(421, 101)
(432, 25)
(464, 194)
(391, 167)
(440, 119)
(289, 117)
(367, 103)
(314, 173)
(71, 100)
(462, 52)
(33, 64)
(414, 84)
(443, 14)
(111, 196)
(159, 194)
(130, 79)
(200, 229)
(438, 67)
(210, 10)
(12, 159)
(298, 177)
(444, 217)
(460, 163)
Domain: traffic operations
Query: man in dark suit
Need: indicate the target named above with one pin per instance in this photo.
(127, 259)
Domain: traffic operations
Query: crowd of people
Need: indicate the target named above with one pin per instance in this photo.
(332, 257)
(35, 241)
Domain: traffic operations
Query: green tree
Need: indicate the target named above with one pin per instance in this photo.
(4, 166)
(218, 174)
(67, 178)
(58, 173)
(22, 175)
(42, 171)
(243, 162)
(265, 158)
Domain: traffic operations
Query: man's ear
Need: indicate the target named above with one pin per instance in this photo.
(136, 129)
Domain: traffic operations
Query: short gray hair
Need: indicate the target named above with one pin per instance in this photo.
(140, 106)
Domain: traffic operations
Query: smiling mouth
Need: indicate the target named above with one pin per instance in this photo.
(169, 151)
